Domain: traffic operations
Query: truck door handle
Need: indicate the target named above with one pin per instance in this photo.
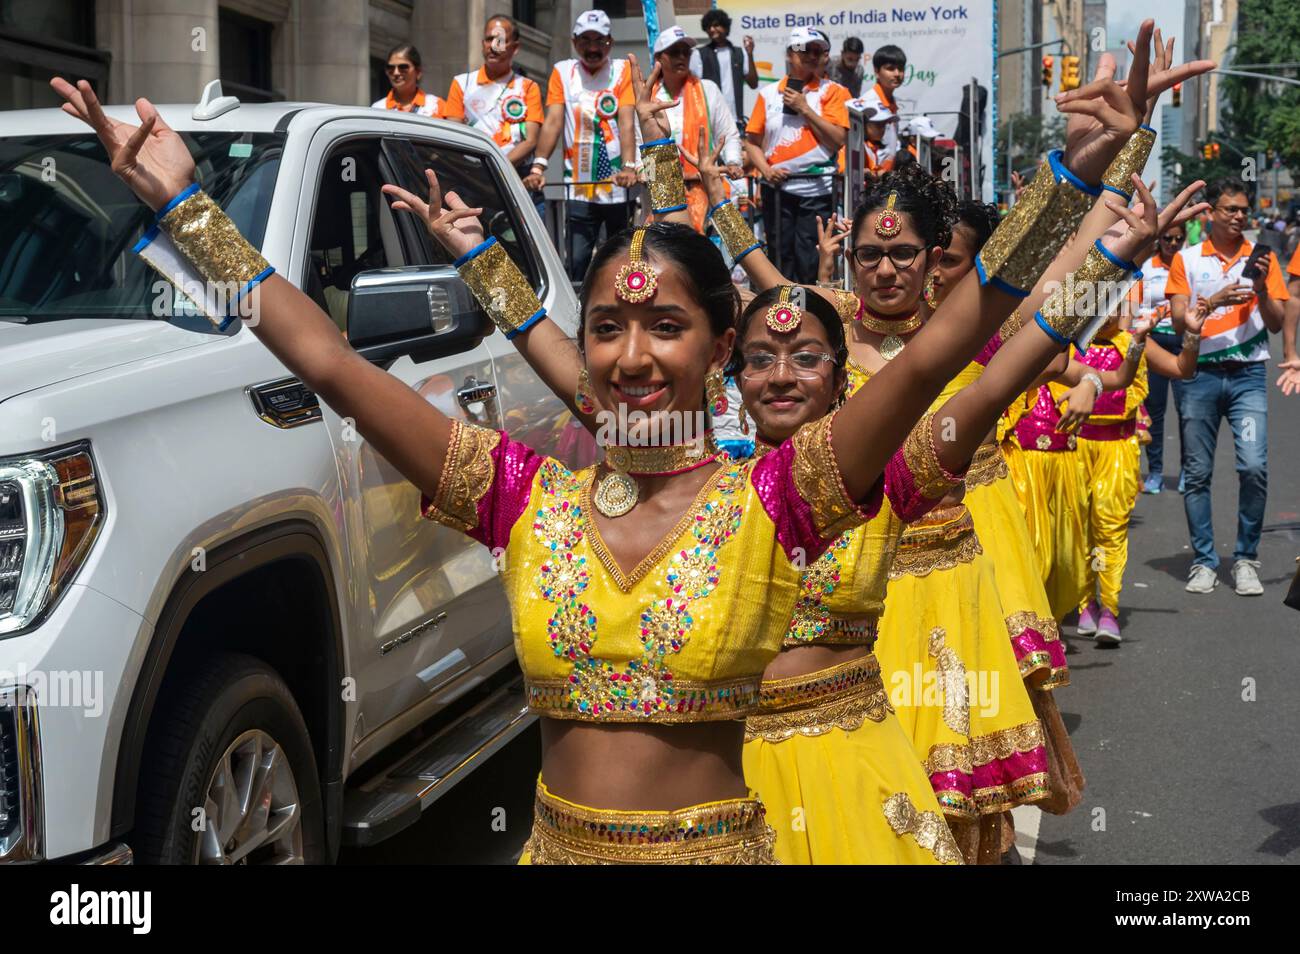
(475, 392)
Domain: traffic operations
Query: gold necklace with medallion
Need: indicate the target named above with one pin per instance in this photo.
(892, 329)
(617, 492)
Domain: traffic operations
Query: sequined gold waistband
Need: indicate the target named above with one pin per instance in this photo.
(940, 540)
(814, 703)
(725, 832)
(988, 466)
(841, 631)
(686, 702)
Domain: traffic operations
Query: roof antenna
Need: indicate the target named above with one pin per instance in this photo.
(212, 103)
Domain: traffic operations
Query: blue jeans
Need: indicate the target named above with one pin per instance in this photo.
(1156, 402)
(1240, 394)
(585, 222)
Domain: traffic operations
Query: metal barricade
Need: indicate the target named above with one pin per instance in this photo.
(774, 240)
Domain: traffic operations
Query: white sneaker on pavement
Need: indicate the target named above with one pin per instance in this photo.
(1245, 577)
(1202, 579)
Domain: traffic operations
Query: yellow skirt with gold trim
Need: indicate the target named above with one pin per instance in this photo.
(951, 674)
(1052, 489)
(730, 832)
(1030, 625)
(838, 776)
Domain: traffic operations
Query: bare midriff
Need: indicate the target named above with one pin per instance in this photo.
(645, 767)
(803, 660)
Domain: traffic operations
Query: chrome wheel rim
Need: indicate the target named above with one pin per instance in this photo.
(251, 810)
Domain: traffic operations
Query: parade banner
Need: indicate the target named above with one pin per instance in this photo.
(947, 44)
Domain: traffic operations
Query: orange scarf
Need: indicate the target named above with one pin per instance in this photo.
(695, 116)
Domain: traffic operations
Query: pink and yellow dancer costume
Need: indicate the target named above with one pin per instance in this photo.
(1110, 455)
(825, 751)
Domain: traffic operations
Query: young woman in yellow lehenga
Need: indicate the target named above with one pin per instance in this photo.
(943, 617)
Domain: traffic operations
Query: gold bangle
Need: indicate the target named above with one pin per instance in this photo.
(502, 289)
(1038, 226)
(1131, 159)
(933, 480)
(1086, 293)
(735, 231)
(209, 239)
(663, 173)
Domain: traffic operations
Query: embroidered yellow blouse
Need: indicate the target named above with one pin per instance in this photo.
(685, 635)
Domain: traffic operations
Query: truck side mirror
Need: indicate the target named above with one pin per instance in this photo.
(426, 312)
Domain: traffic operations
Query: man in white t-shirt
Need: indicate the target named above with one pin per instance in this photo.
(731, 67)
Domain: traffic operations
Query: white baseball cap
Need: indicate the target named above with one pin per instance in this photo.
(593, 21)
(919, 126)
(671, 37)
(880, 113)
(801, 37)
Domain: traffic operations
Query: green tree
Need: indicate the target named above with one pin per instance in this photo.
(1263, 115)
(1029, 138)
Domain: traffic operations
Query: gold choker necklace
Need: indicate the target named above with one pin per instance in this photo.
(892, 329)
(618, 491)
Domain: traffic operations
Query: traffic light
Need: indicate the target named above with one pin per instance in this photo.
(1047, 72)
(1207, 151)
(1214, 150)
(1178, 94)
(1069, 73)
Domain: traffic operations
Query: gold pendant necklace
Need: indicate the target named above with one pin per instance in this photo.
(617, 492)
(892, 329)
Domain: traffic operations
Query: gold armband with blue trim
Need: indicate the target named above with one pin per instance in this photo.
(196, 247)
(663, 172)
(1081, 304)
(735, 231)
(1038, 226)
(1132, 158)
(500, 288)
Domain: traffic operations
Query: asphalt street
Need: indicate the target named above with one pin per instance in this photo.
(1187, 732)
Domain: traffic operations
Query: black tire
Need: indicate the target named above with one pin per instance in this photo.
(196, 720)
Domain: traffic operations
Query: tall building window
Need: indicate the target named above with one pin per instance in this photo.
(525, 11)
(246, 57)
(40, 39)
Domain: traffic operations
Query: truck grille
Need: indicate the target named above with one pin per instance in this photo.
(9, 805)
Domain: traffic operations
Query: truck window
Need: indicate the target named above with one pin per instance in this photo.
(352, 227)
(475, 179)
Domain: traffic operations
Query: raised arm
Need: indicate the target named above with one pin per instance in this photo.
(154, 162)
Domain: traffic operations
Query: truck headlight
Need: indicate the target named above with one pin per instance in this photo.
(50, 514)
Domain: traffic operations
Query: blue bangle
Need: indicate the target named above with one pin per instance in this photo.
(718, 206)
(737, 259)
(1057, 159)
(1127, 197)
(1148, 129)
(150, 234)
(671, 208)
(1051, 332)
(477, 250)
(657, 142)
(537, 316)
(1113, 258)
(996, 282)
(177, 200)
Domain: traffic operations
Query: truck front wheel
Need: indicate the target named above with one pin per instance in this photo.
(229, 774)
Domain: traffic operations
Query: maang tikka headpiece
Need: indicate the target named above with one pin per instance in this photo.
(888, 224)
(637, 281)
(786, 312)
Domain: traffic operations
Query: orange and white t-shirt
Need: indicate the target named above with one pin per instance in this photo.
(591, 102)
(1293, 267)
(500, 109)
(788, 141)
(1147, 295)
(1233, 332)
(423, 104)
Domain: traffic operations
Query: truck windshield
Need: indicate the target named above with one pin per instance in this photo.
(67, 223)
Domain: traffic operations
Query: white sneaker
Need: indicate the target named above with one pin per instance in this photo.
(1202, 579)
(1245, 577)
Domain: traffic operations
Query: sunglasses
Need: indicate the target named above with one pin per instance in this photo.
(397, 68)
(1233, 209)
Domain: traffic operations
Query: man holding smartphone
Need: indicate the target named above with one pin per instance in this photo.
(1231, 379)
(795, 133)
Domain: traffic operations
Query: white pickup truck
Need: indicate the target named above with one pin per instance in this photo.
(225, 634)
